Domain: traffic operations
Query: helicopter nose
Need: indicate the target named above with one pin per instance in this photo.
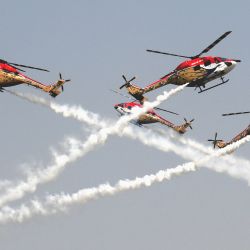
(231, 64)
(117, 106)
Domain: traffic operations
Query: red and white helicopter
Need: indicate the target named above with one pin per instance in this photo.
(150, 117)
(10, 75)
(197, 71)
(241, 135)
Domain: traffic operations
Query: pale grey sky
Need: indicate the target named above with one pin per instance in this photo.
(94, 43)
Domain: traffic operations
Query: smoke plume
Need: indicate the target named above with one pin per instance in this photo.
(61, 202)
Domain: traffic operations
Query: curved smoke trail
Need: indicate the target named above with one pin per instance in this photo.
(56, 203)
(77, 149)
(201, 149)
(92, 119)
(76, 112)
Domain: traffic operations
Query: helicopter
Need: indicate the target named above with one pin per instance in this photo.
(197, 71)
(151, 117)
(242, 134)
(10, 75)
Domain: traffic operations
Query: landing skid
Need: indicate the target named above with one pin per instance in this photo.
(136, 123)
(203, 90)
(2, 90)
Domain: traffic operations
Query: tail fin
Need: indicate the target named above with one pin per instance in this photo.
(57, 88)
(183, 128)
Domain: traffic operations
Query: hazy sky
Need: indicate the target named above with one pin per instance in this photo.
(94, 43)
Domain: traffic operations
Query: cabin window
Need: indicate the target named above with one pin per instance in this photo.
(207, 62)
(129, 107)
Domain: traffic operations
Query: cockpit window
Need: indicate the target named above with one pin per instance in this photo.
(207, 62)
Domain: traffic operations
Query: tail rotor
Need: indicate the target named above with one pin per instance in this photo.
(181, 129)
(188, 123)
(215, 140)
(54, 89)
(61, 79)
(127, 82)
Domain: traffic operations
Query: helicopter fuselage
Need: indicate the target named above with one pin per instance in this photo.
(148, 117)
(196, 72)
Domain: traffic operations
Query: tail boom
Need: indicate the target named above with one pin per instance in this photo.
(181, 129)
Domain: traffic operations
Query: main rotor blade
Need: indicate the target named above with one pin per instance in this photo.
(18, 69)
(165, 53)
(123, 76)
(238, 113)
(213, 44)
(5, 62)
(168, 111)
(117, 92)
(25, 66)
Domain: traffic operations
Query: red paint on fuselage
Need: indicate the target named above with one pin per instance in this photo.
(200, 61)
(11, 70)
(189, 63)
(130, 105)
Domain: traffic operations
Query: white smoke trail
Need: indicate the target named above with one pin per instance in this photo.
(228, 162)
(92, 119)
(186, 153)
(55, 203)
(201, 150)
(15, 191)
(76, 150)
(237, 169)
(75, 112)
(151, 140)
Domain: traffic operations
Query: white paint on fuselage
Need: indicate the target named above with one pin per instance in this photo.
(123, 111)
(221, 69)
